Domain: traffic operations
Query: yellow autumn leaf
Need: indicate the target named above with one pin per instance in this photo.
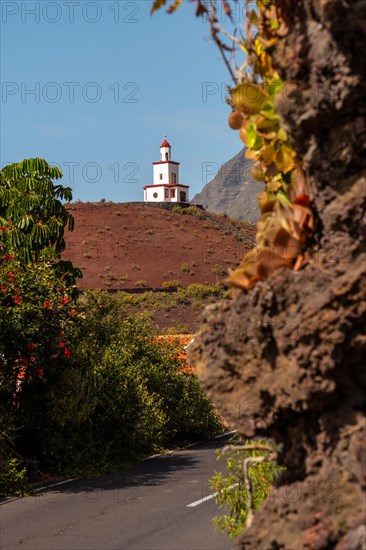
(174, 6)
(248, 97)
(273, 186)
(157, 5)
(250, 154)
(267, 154)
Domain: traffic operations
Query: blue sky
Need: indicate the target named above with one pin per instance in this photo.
(108, 81)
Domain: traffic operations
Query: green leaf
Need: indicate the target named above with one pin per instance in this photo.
(253, 140)
(268, 110)
(281, 195)
(282, 135)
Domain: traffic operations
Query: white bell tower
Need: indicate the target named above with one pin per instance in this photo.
(166, 186)
(165, 150)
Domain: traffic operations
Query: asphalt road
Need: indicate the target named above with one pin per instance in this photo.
(143, 508)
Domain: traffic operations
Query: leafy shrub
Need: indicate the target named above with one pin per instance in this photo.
(198, 290)
(122, 396)
(190, 211)
(32, 298)
(13, 476)
(141, 283)
(13, 480)
(117, 419)
(173, 284)
(218, 270)
(252, 468)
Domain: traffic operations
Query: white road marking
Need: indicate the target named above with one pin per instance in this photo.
(165, 453)
(34, 490)
(209, 497)
(201, 500)
(54, 484)
(226, 433)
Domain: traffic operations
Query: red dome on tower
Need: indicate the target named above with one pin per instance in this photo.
(165, 144)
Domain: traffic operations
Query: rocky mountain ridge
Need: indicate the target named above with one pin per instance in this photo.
(232, 191)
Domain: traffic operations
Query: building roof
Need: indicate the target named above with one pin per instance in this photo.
(167, 185)
(165, 144)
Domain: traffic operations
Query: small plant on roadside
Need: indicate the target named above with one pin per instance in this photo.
(185, 267)
(13, 476)
(252, 469)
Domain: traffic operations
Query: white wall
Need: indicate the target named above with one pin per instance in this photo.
(150, 191)
(166, 170)
(160, 191)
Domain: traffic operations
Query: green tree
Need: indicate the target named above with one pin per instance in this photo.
(33, 213)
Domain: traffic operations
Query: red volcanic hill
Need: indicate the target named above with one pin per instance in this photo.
(131, 245)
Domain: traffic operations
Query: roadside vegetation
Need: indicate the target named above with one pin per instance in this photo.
(252, 467)
(85, 386)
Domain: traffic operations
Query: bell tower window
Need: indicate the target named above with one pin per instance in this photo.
(174, 178)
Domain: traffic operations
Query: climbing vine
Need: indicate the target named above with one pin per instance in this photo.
(287, 218)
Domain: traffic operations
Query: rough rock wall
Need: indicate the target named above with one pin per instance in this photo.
(287, 359)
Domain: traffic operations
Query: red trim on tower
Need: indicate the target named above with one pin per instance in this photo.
(166, 162)
(167, 185)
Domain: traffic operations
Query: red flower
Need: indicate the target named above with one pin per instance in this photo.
(9, 257)
(39, 372)
(3, 288)
(62, 344)
(2, 228)
(62, 333)
(67, 352)
(73, 312)
(47, 304)
(17, 299)
(65, 300)
(31, 346)
(11, 275)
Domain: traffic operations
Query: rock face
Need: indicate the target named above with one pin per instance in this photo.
(233, 191)
(286, 360)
